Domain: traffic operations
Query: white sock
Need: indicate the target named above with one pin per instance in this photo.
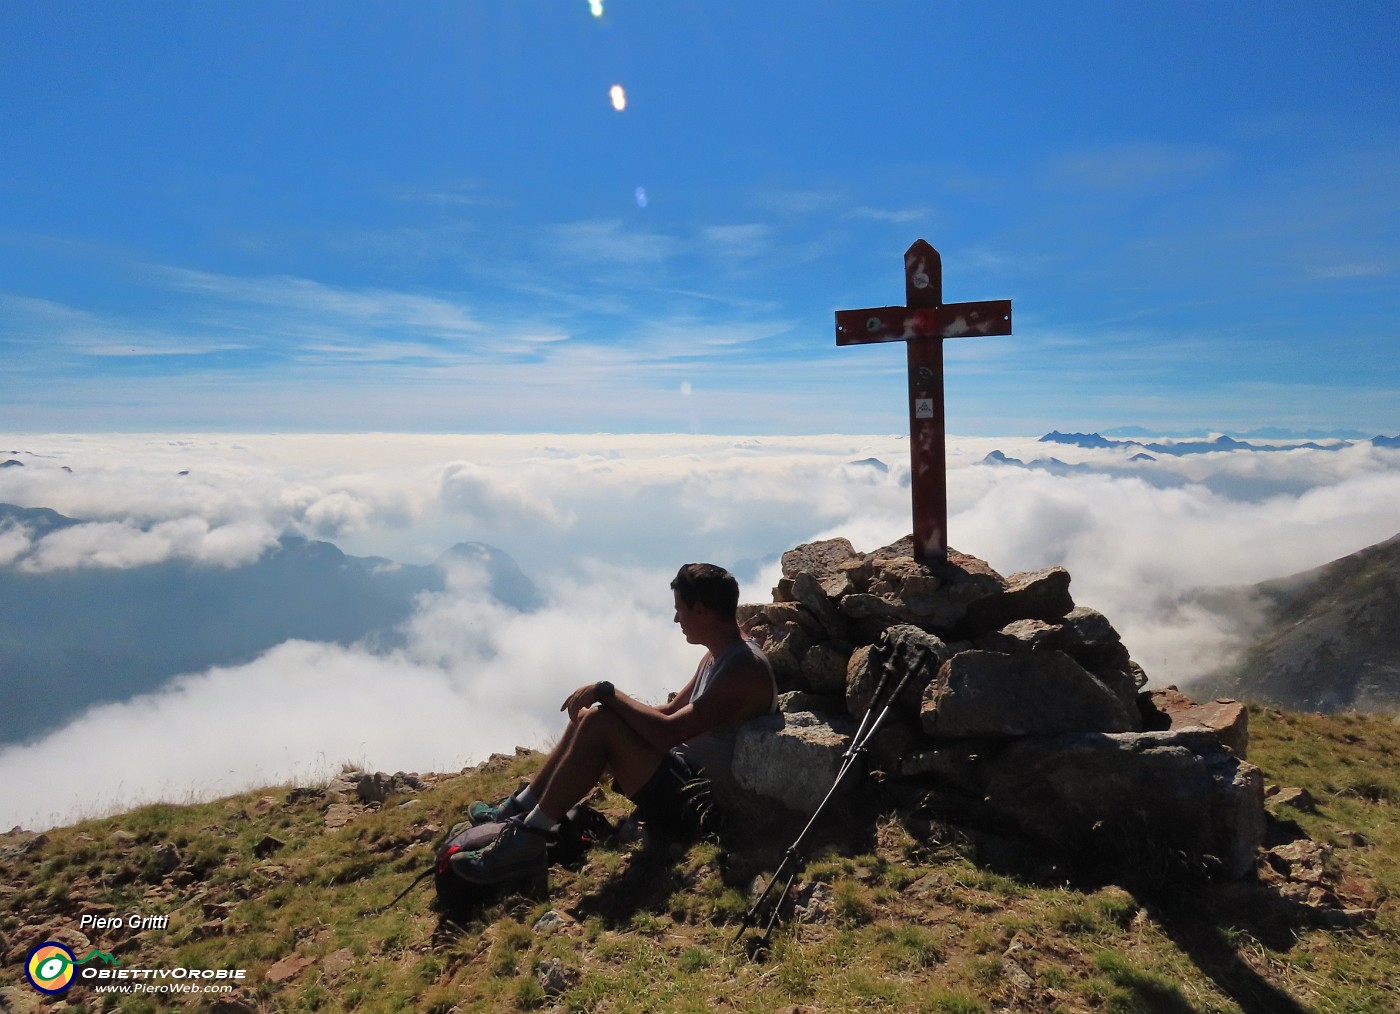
(538, 820)
(526, 799)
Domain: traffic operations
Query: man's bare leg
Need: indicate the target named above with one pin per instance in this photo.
(598, 742)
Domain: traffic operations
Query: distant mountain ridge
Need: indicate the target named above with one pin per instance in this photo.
(1219, 443)
(72, 638)
(1328, 640)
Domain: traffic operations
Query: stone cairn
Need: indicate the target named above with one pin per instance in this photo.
(1023, 711)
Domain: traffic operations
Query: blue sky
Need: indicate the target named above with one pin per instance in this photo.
(430, 217)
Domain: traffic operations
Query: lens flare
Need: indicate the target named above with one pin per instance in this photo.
(619, 97)
(641, 194)
(596, 6)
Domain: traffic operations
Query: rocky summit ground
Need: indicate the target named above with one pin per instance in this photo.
(907, 914)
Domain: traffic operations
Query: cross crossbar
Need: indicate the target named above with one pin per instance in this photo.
(901, 323)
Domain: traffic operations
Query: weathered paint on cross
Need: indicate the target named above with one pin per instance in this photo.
(923, 322)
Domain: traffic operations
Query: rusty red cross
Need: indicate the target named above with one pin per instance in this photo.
(923, 323)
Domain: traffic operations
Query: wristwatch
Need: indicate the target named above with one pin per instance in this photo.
(604, 691)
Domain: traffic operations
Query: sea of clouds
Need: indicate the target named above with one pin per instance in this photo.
(600, 523)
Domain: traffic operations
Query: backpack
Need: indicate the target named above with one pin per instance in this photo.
(581, 829)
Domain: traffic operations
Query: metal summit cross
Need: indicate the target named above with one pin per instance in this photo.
(923, 323)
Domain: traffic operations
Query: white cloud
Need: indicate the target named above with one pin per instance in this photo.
(122, 545)
(487, 498)
(601, 522)
(14, 543)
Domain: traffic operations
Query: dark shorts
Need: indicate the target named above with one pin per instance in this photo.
(676, 797)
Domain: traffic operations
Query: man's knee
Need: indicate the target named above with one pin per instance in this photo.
(600, 725)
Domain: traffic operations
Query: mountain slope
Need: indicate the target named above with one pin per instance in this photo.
(1328, 640)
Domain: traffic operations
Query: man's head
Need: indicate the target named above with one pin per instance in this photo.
(704, 584)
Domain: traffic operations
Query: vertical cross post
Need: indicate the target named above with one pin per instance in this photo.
(922, 323)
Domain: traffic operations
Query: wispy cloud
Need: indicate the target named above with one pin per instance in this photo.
(465, 194)
(750, 240)
(898, 216)
(1143, 167)
(300, 298)
(605, 243)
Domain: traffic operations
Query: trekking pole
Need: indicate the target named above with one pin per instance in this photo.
(864, 733)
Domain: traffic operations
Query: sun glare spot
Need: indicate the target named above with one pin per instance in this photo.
(641, 194)
(619, 97)
(596, 6)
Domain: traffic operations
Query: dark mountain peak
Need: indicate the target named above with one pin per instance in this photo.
(874, 463)
(39, 520)
(998, 458)
(1078, 439)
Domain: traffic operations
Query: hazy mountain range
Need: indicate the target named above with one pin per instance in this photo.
(1177, 448)
(71, 638)
(1323, 640)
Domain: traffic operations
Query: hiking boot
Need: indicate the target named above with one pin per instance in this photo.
(491, 813)
(518, 851)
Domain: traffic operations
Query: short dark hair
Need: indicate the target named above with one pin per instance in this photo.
(710, 586)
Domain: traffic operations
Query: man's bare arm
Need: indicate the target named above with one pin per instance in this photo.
(746, 692)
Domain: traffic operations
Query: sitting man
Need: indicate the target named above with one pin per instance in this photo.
(650, 751)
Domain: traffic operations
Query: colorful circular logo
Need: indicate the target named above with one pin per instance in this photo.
(50, 967)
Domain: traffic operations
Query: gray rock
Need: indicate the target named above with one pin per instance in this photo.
(785, 646)
(825, 666)
(1165, 797)
(814, 903)
(809, 591)
(792, 759)
(1022, 636)
(900, 577)
(865, 606)
(1029, 595)
(819, 704)
(985, 693)
(1171, 709)
(555, 977)
(1299, 799)
(793, 613)
(820, 559)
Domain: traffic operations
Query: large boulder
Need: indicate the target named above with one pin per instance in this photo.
(1045, 693)
(1029, 595)
(793, 758)
(1171, 709)
(1169, 798)
(828, 562)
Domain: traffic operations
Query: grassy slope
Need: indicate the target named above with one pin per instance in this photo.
(914, 924)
